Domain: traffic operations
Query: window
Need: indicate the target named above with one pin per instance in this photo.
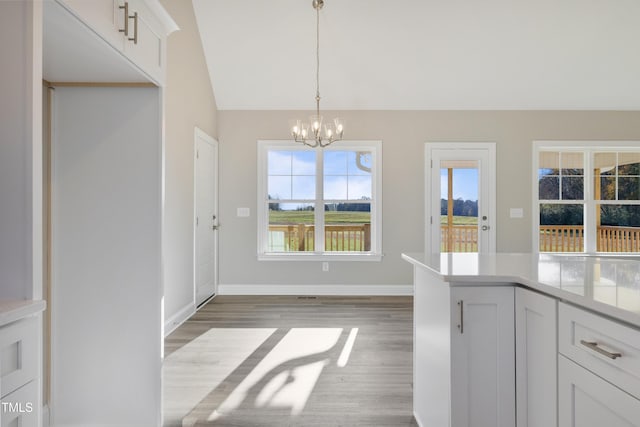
(588, 197)
(319, 203)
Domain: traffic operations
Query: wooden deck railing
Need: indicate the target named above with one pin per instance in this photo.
(301, 238)
(570, 238)
(459, 238)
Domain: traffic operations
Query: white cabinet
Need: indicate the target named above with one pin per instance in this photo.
(598, 370)
(132, 27)
(20, 373)
(482, 356)
(105, 17)
(536, 358)
(586, 400)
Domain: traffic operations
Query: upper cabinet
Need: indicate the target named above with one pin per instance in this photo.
(137, 29)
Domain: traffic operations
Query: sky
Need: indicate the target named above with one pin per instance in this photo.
(465, 184)
(292, 176)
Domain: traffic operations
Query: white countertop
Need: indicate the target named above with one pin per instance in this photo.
(609, 286)
(12, 310)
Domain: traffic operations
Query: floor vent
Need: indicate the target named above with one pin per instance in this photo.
(307, 297)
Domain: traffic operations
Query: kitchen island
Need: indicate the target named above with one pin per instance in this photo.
(526, 340)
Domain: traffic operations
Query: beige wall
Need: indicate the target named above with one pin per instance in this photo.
(189, 103)
(404, 134)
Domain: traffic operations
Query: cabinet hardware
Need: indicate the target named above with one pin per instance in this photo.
(134, 39)
(594, 346)
(126, 19)
(461, 324)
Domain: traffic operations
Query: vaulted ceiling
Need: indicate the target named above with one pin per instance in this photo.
(423, 54)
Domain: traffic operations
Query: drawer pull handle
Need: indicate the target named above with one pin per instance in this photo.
(594, 346)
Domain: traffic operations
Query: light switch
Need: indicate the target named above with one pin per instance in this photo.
(516, 212)
(243, 212)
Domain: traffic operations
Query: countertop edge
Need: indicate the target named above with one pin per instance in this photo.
(13, 310)
(561, 295)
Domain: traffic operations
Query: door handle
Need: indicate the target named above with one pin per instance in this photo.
(485, 227)
(125, 30)
(215, 227)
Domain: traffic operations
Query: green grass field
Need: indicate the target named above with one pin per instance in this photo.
(306, 217)
(460, 220)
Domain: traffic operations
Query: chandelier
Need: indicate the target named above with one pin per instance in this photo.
(315, 133)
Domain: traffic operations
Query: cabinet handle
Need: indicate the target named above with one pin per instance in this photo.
(135, 28)
(461, 324)
(594, 346)
(126, 19)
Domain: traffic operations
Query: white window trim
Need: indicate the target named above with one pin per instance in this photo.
(376, 204)
(588, 148)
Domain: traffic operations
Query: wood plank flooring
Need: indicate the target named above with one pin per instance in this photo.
(285, 361)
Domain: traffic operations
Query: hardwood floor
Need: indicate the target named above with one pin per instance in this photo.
(285, 361)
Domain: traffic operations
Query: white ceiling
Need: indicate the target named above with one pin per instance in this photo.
(424, 54)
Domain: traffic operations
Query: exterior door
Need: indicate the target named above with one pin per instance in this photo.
(206, 216)
(460, 197)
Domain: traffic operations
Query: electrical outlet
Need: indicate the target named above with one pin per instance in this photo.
(325, 266)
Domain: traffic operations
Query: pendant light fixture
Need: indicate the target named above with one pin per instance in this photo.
(315, 133)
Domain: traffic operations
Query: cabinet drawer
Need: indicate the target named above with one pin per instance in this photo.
(605, 347)
(586, 400)
(21, 408)
(19, 343)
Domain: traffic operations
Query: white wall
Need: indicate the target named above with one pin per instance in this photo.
(106, 264)
(189, 103)
(404, 134)
(21, 150)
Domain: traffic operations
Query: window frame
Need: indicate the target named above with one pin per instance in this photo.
(375, 254)
(588, 150)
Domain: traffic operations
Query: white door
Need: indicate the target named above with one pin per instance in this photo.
(460, 197)
(206, 216)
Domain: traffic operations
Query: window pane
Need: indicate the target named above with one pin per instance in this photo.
(359, 188)
(629, 188)
(347, 175)
(572, 163)
(629, 164)
(607, 188)
(572, 188)
(291, 227)
(561, 228)
(279, 187)
(304, 187)
(335, 187)
(335, 162)
(348, 227)
(549, 188)
(549, 160)
(279, 162)
(360, 163)
(303, 163)
(619, 229)
(605, 163)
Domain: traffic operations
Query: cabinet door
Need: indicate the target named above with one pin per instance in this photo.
(105, 17)
(145, 44)
(482, 356)
(536, 355)
(586, 400)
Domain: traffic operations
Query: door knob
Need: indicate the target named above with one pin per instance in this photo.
(485, 227)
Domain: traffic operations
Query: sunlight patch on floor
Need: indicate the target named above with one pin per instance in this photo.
(286, 376)
(205, 362)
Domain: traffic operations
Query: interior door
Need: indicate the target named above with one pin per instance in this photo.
(460, 212)
(206, 216)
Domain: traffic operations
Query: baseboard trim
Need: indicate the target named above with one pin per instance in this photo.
(178, 318)
(337, 290)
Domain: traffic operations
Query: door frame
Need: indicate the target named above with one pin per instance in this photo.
(200, 134)
(490, 173)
